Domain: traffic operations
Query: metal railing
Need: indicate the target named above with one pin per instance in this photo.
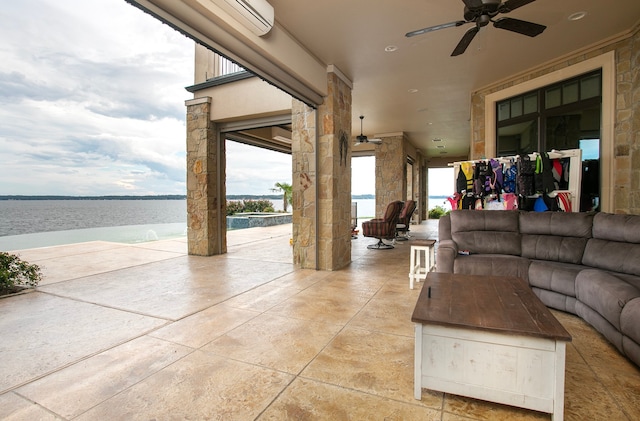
(225, 66)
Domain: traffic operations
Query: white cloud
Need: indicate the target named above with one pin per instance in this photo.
(91, 99)
(92, 103)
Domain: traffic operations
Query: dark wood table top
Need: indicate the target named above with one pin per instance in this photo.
(494, 303)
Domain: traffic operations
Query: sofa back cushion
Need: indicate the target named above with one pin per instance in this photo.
(555, 236)
(444, 228)
(615, 245)
(487, 232)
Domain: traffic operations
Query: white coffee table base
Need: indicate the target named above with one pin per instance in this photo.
(522, 371)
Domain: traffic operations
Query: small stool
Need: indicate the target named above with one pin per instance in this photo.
(417, 271)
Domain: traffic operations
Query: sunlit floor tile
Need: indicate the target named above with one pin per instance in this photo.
(275, 342)
(311, 400)
(198, 387)
(77, 388)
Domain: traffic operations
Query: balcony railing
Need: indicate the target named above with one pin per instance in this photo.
(225, 66)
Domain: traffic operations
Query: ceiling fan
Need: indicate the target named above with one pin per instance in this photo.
(481, 12)
(363, 139)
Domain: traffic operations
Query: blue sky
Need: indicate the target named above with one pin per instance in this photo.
(92, 103)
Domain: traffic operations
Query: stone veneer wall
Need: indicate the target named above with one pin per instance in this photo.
(391, 172)
(205, 181)
(334, 170)
(626, 165)
(322, 179)
(304, 185)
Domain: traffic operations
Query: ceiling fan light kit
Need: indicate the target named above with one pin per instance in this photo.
(361, 138)
(482, 12)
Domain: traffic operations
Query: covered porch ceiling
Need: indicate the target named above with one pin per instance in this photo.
(400, 84)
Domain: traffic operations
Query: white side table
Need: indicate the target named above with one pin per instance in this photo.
(417, 269)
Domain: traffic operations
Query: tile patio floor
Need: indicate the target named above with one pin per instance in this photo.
(146, 332)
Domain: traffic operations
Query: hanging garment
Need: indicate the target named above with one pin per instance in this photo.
(497, 178)
(564, 201)
(510, 175)
(510, 201)
(482, 179)
(464, 182)
(526, 172)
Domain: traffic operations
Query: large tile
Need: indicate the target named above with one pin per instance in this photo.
(39, 255)
(198, 387)
(381, 316)
(585, 397)
(311, 400)
(322, 304)
(42, 333)
(261, 298)
(624, 388)
(170, 289)
(370, 362)
(300, 279)
(276, 342)
(16, 408)
(95, 262)
(75, 389)
(203, 327)
(458, 407)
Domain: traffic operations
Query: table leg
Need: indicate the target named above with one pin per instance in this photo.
(558, 400)
(412, 268)
(417, 364)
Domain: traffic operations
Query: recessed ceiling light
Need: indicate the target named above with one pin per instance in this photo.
(437, 140)
(440, 146)
(443, 152)
(412, 90)
(390, 48)
(577, 15)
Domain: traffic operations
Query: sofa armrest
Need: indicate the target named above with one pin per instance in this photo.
(445, 255)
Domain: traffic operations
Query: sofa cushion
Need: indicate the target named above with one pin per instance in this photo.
(554, 276)
(630, 320)
(601, 324)
(556, 300)
(487, 232)
(555, 236)
(556, 223)
(614, 256)
(622, 228)
(553, 248)
(605, 293)
(492, 265)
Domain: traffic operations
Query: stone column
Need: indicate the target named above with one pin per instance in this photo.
(334, 169)
(391, 172)
(304, 185)
(322, 179)
(206, 192)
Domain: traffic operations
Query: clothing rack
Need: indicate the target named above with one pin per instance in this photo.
(575, 170)
(553, 154)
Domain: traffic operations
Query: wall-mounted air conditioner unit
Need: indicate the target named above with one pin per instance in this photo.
(255, 15)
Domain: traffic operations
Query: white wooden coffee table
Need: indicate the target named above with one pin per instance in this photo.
(489, 338)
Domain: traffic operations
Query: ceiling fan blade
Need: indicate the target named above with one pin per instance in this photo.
(465, 41)
(520, 26)
(472, 4)
(510, 5)
(435, 28)
(376, 141)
